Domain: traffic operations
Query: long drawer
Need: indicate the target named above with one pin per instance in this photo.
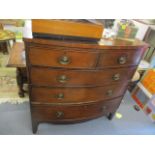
(77, 78)
(60, 113)
(75, 95)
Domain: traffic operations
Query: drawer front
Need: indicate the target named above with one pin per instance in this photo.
(74, 112)
(119, 59)
(77, 78)
(60, 58)
(78, 95)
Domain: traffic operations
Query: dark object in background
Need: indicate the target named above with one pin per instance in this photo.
(108, 23)
(3, 48)
(136, 107)
(132, 85)
(150, 37)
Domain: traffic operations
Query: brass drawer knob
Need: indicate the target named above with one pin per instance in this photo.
(116, 77)
(122, 60)
(64, 60)
(59, 96)
(104, 107)
(62, 78)
(59, 114)
(109, 92)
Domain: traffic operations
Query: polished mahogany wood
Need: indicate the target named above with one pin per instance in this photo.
(73, 81)
(119, 58)
(79, 78)
(86, 58)
(59, 113)
(76, 95)
(54, 57)
(117, 43)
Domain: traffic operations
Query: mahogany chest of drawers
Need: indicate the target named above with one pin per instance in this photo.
(76, 81)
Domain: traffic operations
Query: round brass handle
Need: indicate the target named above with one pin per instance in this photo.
(122, 60)
(104, 108)
(116, 77)
(59, 96)
(59, 114)
(109, 92)
(64, 60)
(62, 78)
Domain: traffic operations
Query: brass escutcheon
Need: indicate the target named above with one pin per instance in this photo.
(59, 114)
(62, 78)
(64, 60)
(122, 60)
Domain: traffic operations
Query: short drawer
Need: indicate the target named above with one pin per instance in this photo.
(58, 57)
(78, 78)
(74, 112)
(78, 95)
(118, 58)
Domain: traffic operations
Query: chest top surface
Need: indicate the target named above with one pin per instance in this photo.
(117, 43)
(102, 44)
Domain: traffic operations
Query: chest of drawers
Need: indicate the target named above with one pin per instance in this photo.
(77, 81)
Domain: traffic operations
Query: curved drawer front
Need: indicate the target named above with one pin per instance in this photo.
(77, 78)
(119, 59)
(78, 95)
(74, 112)
(60, 58)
